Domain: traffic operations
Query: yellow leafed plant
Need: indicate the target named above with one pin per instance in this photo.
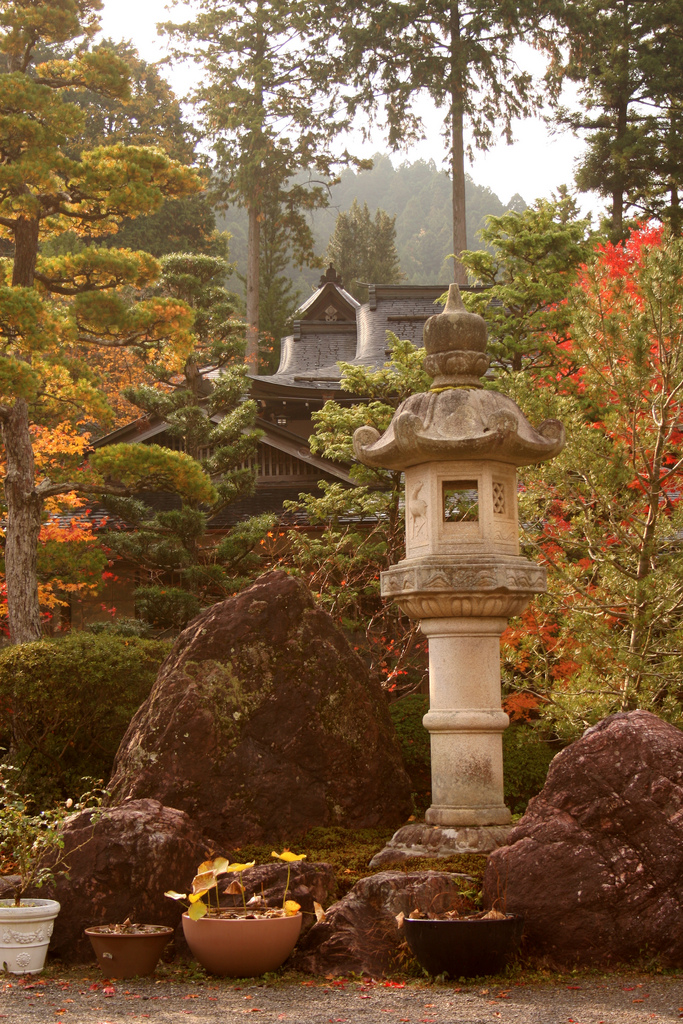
(206, 881)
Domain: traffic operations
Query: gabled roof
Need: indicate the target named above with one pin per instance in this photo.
(143, 430)
(331, 303)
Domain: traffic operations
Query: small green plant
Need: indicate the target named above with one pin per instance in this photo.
(31, 841)
(526, 759)
(203, 884)
(122, 626)
(407, 714)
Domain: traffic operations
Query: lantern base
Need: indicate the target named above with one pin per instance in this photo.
(421, 839)
(448, 816)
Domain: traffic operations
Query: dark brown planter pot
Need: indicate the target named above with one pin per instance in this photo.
(242, 947)
(462, 948)
(128, 954)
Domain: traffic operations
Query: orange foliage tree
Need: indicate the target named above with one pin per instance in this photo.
(606, 516)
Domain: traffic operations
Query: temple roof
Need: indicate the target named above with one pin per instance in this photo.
(332, 327)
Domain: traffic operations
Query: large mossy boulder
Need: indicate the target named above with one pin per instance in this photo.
(595, 866)
(263, 722)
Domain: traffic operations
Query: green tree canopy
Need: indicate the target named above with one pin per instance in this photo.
(268, 124)
(149, 115)
(529, 269)
(627, 58)
(209, 417)
(362, 529)
(363, 249)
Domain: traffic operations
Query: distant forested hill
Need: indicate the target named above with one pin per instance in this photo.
(418, 194)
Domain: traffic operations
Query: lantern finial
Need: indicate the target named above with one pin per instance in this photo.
(455, 342)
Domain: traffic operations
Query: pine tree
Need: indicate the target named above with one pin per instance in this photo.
(209, 417)
(363, 249)
(54, 309)
(529, 268)
(150, 115)
(626, 55)
(278, 299)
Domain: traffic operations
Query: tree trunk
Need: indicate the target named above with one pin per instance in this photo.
(26, 251)
(675, 207)
(459, 205)
(24, 508)
(618, 181)
(457, 151)
(253, 252)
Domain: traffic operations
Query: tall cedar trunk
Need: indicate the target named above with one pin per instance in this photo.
(675, 208)
(253, 250)
(457, 151)
(618, 177)
(24, 508)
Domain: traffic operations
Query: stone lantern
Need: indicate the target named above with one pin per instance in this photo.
(459, 446)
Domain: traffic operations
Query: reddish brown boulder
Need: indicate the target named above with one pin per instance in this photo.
(596, 863)
(120, 867)
(263, 723)
(360, 933)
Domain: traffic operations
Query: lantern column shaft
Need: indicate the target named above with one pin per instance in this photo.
(465, 721)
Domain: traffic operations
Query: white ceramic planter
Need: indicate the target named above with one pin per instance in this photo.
(25, 934)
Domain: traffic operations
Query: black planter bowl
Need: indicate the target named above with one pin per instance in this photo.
(461, 948)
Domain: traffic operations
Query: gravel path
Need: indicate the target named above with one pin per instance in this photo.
(80, 1000)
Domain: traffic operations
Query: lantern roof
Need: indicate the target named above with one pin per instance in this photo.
(457, 419)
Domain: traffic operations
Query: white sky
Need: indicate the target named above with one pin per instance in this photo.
(534, 166)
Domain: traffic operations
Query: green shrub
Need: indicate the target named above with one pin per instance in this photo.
(166, 607)
(526, 755)
(120, 627)
(407, 714)
(65, 705)
(526, 758)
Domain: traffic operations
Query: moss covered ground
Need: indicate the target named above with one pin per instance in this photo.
(350, 851)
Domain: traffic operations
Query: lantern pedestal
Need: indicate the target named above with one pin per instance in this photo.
(419, 839)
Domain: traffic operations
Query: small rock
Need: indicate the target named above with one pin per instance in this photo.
(120, 868)
(308, 884)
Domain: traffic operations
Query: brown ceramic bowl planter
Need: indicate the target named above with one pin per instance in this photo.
(128, 951)
(239, 941)
(242, 946)
(464, 947)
